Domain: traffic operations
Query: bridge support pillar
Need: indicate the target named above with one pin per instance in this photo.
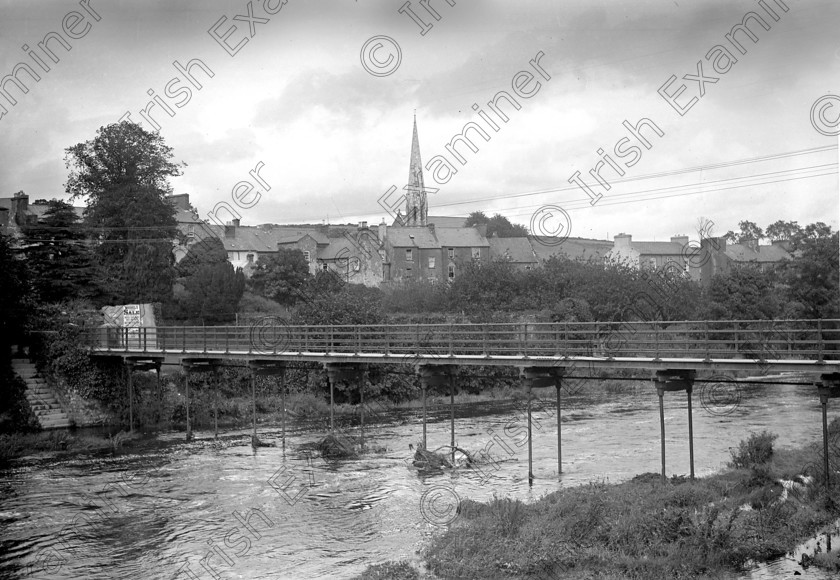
(260, 368)
(129, 367)
(436, 376)
(675, 380)
(340, 372)
(828, 387)
(139, 364)
(196, 365)
(538, 377)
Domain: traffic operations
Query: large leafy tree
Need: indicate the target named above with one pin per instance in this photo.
(497, 225)
(280, 276)
(59, 258)
(745, 293)
(811, 277)
(123, 174)
(14, 296)
(749, 232)
(209, 287)
(782, 230)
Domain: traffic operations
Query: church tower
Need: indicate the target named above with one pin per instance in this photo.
(416, 206)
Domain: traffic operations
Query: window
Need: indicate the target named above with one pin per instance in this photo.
(527, 268)
(431, 262)
(451, 253)
(432, 279)
(451, 271)
(191, 231)
(409, 257)
(355, 264)
(325, 267)
(382, 255)
(306, 256)
(250, 258)
(476, 253)
(652, 262)
(408, 271)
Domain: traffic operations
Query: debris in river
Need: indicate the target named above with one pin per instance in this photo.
(333, 447)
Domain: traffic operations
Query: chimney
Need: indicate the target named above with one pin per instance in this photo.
(622, 240)
(20, 205)
(230, 230)
(431, 228)
(681, 240)
(363, 226)
(236, 222)
(383, 231)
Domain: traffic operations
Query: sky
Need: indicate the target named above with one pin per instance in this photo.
(322, 96)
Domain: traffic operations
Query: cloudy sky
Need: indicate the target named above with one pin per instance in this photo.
(334, 138)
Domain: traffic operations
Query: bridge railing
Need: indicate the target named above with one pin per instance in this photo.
(750, 339)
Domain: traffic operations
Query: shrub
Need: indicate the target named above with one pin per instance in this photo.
(756, 450)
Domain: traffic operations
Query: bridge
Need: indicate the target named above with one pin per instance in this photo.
(543, 352)
(787, 345)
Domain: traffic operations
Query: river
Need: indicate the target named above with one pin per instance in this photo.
(287, 513)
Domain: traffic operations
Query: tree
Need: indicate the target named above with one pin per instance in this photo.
(280, 276)
(745, 293)
(210, 288)
(59, 259)
(812, 276)
(476, 218)
(123, 174)
(782, 230)
(14, 296)
(497, 225)
(501, 227)
(353, 304)
(750, 232)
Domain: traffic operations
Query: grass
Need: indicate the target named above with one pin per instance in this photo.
(710, 527)
(389, 571)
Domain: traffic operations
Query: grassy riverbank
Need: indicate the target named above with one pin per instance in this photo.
(711, 527)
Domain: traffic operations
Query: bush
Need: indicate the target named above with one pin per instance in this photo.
(15, 412)
(389, 571)
(756, 450)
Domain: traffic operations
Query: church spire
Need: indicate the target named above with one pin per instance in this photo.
(417, 210)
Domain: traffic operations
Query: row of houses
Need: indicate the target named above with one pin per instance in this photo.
(436, 251)
(417, 246)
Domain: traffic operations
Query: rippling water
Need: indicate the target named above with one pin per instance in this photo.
(283, 512)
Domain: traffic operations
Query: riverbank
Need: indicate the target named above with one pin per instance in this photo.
(759, 508)
(235, 414)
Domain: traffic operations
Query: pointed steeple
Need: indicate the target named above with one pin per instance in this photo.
(417, 210)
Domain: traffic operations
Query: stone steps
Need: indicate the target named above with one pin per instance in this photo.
(41, 397)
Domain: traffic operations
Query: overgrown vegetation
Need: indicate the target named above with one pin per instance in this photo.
(641, 528)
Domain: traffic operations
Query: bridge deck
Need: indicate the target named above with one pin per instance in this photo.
(788, 345)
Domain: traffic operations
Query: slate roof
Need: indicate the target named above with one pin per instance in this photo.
(743, 253)
(446, 221)
(657, 248)
(460, 238)
(422, 237)
(572, 248)
(517, 250)
(185, 216)
(39, 209)
(252, 238)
